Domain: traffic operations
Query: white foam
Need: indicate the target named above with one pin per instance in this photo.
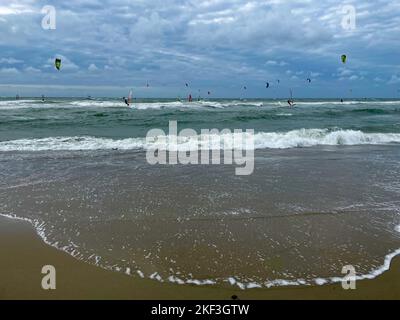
(156, 276)
(200, 282)
(175, 279)
(284, 114)
(36, 104)
(39, 226)
(140, 273)
(71, 144)
(143, 105)
(315, 137)
(321, 281)
(263, 140)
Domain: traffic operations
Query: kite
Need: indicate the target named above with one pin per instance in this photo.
(344, 58)
(267, 85)
(57, 63)
(309, 80)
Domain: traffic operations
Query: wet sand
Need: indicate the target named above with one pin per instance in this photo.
(23, 254)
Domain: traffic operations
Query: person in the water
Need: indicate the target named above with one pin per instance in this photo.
(126, 101)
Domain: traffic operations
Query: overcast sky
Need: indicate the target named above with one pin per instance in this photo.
(108, 46)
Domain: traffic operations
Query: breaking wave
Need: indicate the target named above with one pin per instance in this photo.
(262, 140)
(154, 104)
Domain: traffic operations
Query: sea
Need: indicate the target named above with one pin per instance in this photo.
(324, 193)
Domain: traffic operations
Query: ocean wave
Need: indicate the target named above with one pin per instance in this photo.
(139, 105)
(144, 105)
(262, 140)
(314, 137)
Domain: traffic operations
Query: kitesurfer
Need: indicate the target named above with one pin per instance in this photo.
(126, 101)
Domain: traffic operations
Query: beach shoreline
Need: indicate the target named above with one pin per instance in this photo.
(23, 253)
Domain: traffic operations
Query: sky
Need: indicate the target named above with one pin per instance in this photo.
(156, 46)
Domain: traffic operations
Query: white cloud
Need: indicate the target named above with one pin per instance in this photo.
(10, 61)
(117, 61)
(276, 63)
(93, 68)
(395, 79)
(15, 9)
(32, 70)
(9, 71)
(343, 72)
(315, 74)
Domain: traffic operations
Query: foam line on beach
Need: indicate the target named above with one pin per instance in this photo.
(243, 284)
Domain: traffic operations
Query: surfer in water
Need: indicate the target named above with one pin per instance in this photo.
(290, 102)
(126, 101)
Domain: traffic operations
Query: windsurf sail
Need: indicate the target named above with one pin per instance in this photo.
(130, 97)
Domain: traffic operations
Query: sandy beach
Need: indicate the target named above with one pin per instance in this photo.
(23, 253)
